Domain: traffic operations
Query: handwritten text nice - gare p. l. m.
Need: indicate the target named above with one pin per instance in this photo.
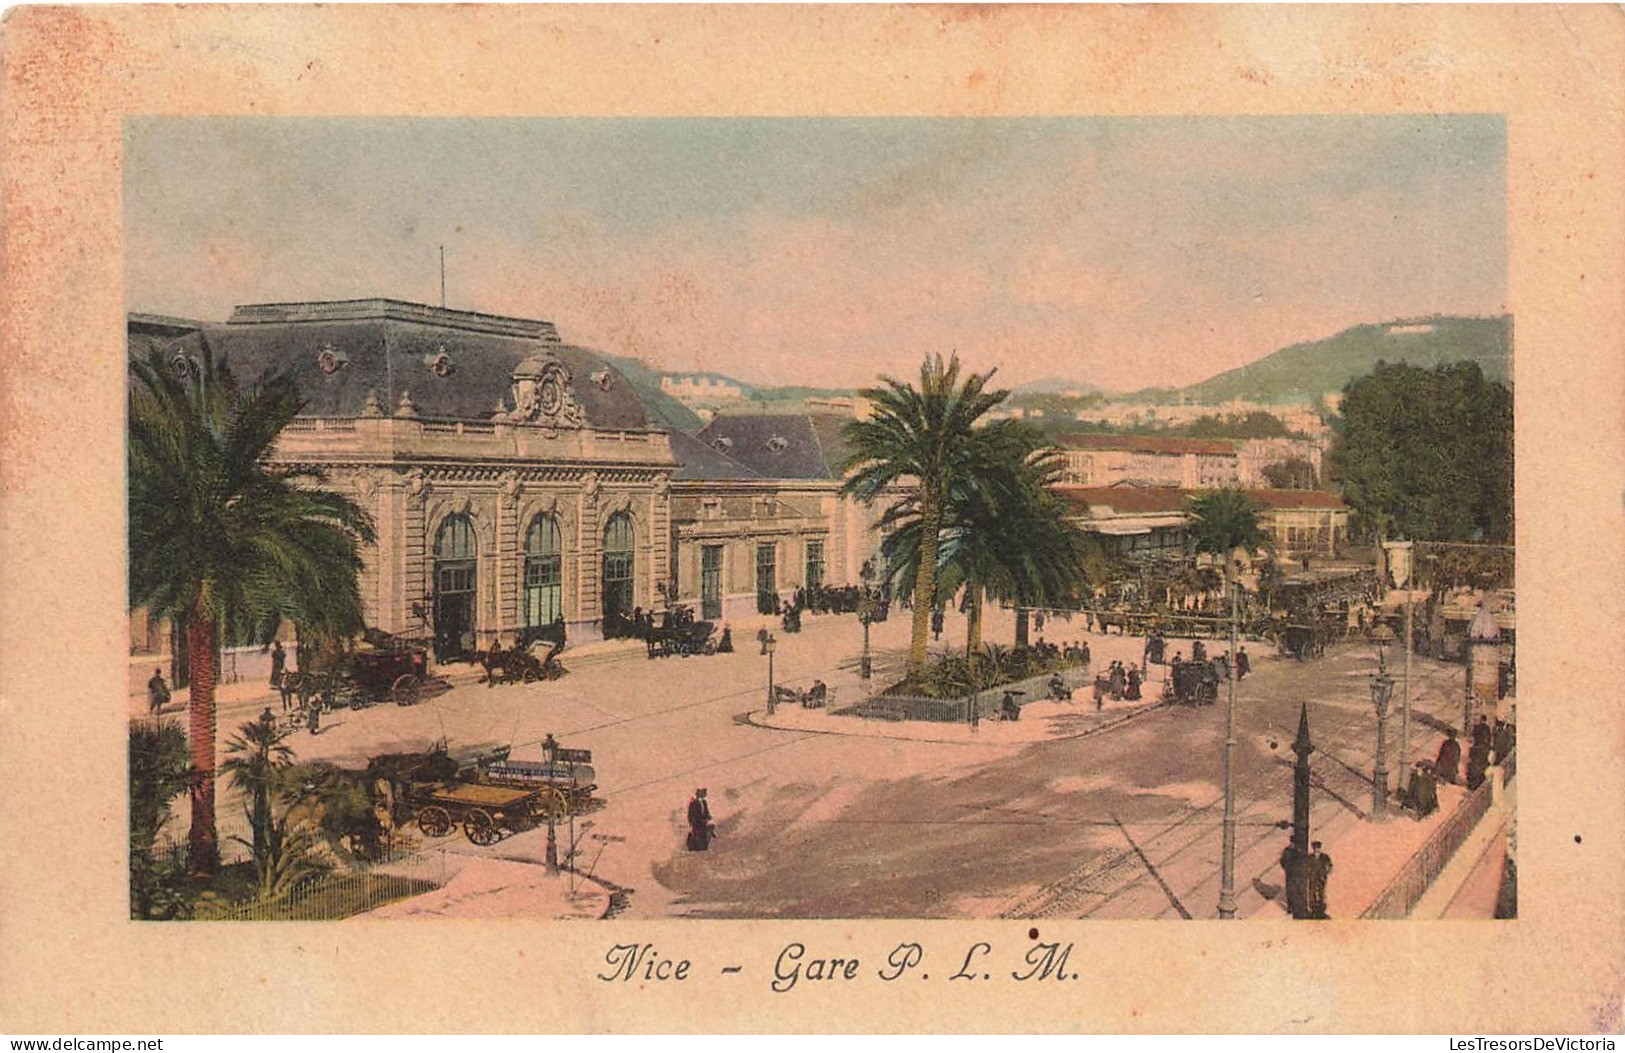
(795, 966)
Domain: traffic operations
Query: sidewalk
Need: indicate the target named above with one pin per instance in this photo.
(496, 888)
(1367, 856)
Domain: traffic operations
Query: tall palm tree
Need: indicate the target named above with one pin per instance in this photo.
(226, 541)
(1011, 538)
(924, 439)
(1222, 522)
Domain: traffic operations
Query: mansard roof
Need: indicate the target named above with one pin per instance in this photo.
(456, 365)
(781, 445)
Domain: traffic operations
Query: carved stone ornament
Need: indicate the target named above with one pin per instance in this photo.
(542, 394)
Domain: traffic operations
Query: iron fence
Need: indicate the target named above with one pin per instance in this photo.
(326, 899)
(1422, 869)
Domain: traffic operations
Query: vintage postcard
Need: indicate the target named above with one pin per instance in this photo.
(862, 518)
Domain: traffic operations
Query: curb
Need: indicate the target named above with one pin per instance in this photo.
(750, 718)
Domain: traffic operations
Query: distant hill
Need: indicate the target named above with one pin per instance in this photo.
(795, 391)
(1305, 372)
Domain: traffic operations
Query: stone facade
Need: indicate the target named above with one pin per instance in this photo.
(492, 424)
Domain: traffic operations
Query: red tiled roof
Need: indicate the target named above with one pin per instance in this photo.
(1148, 444)
(1124, 498)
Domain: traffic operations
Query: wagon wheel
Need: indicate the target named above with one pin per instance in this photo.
(710, 647)
(551, 803)
(480, 828)
(406, 690)
(532, 674)
(435, 821)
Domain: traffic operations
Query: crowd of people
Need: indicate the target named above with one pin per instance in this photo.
(1491, 746)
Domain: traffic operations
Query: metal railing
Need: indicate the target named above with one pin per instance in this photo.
(1422, 869)
(326, 899)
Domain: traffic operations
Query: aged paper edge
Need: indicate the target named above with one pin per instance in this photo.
(73, 964)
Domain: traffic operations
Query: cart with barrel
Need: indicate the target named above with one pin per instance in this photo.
(493, 796)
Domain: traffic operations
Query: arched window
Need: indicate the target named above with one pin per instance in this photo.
(544, 573)
(617, 579)
(454, 582)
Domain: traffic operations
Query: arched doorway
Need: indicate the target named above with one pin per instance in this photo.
(617, 578)
(542, 601)
(454, 584)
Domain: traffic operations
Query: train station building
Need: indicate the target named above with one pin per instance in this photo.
(521, 485)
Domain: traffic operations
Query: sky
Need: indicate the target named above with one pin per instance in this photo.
(1117, 252)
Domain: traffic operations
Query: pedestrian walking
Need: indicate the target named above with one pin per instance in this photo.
(1244, 665)
(279, 662)
(1502, 741)
(157, 692)
(700, 830)
(1448, 761)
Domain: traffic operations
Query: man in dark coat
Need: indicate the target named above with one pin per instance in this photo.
(1132, 692)
(1449, 759)
(1244, 665)
(1320, 870)
(157, 692)
(1502, 741)
(700, 830)
(279, 662)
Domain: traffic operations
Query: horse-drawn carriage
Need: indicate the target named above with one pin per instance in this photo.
(678, 633)
(387, 669)
(522, 665)
(485, 793)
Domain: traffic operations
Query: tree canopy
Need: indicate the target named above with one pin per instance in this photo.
(225, 540)
(1426, 453)
(968, 492)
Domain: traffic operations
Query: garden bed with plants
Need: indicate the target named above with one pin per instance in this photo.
(949, 682)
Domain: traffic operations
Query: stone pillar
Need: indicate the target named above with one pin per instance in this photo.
(417, 568)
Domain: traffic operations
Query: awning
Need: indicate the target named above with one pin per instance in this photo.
(1121, 529)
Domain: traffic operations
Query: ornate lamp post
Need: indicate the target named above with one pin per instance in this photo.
(866, 616)
(1400, 560)
(767, 648)
(1227, 861)
(1382, 691)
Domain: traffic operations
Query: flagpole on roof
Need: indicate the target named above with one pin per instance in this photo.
(442, 276)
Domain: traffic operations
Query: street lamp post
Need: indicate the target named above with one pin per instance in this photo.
(1382, 691)
(767, 647)
(1227, 863)
(866, 615)
(1401, 570)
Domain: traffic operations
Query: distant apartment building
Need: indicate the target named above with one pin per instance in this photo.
(1149, 460)
(694, 389)
(1301, 418)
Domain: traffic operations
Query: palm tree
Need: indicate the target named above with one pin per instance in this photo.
(1012, 538)
(224, 541)
(926, 439)
(259, 764)
(1224, 521)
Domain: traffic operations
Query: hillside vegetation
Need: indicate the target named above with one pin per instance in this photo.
(1304, 372)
